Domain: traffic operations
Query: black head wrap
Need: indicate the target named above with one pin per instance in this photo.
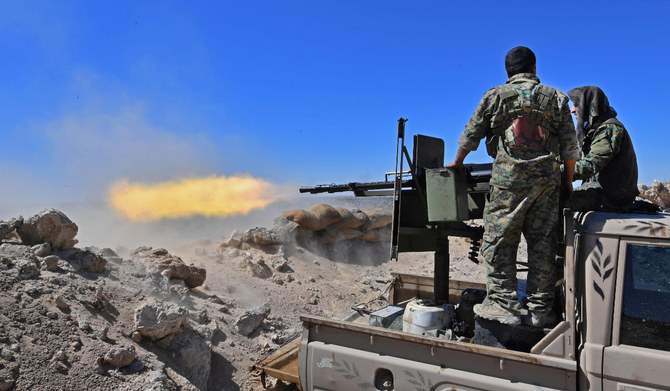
(593, 108)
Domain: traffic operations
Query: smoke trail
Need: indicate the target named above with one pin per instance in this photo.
(218, 196)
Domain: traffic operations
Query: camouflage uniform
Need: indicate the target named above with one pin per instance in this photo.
(609, 167)
(525, 182)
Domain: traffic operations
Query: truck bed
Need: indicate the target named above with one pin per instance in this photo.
(348, 354)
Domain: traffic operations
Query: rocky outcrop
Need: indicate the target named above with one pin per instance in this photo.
(49, 226)
(170, 266)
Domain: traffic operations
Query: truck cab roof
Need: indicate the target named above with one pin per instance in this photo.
(626, 224)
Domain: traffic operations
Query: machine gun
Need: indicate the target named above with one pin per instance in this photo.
(430, 202)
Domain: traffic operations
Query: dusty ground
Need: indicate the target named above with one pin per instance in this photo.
(319, 286)
(57, 326)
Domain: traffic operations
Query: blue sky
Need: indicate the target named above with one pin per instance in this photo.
(293, 92)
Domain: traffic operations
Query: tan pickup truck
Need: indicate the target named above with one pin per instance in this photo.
(614, 301)
(614, 335)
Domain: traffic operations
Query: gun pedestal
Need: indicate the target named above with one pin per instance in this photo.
(431, 202)
(441, 272)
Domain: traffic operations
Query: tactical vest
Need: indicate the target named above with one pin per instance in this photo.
(619, 177)
(527, 122)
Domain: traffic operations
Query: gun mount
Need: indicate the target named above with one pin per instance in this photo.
(430, 202)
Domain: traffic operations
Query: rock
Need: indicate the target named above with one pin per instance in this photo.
(51, 226)
(156, 321)
(84, 260)
(41, 250)
(6, 354)
(182, 383)
(234, 240)
(8, 227)
(59, 366)
(136, 336)
(120, 356)
(257, 267)
(162, 261)
(136, 366)
(201, 317)
(49, 262)
(156, 380)
(280, 264)
(193, 355)
(26, 268)
(277, 339)
(107, 252)
(261, 236)
(32, 289)
(228, 252)
(164, 343)
(84, 324)
(16, 251)
(5, 383)
(251, 319)
(102, 333)
(60, 356)
(109, 255)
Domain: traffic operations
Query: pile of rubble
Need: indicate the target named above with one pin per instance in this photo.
(658, 193)
(61, 326)
(90, 318)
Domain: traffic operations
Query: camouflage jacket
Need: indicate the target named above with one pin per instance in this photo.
(610, 160)
(528, 165)
(605, 144)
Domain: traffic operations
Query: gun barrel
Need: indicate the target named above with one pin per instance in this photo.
(358, 188)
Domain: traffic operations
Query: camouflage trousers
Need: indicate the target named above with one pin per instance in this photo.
(532, 211)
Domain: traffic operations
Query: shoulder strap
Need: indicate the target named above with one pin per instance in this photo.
(544, 96)
(507, 91)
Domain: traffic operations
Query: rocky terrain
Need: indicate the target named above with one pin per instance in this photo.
(658, 193)
(87, 318)
(75, 318)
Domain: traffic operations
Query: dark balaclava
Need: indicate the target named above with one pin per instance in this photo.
(593, 108)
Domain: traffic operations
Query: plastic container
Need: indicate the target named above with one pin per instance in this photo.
(421, 316)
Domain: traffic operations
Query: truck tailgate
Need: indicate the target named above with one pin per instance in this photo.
(281, 364)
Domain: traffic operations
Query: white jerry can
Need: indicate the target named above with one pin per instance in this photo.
(423, 315)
